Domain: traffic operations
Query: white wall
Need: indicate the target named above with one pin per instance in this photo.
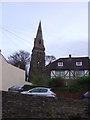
(10, 75)
(0, 72)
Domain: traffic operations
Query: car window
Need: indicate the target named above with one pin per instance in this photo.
(43, 90)
(35, 90)
(16, 87)
(13, 87)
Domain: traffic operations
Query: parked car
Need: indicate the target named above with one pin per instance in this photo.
(16, 89)
(40, 91)
(86, 97)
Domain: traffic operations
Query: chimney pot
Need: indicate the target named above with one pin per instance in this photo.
(69, 55)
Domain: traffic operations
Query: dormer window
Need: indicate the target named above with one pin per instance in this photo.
(60, 64)
(79, 63)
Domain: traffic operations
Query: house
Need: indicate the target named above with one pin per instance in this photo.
(10, 75)
(69, 68)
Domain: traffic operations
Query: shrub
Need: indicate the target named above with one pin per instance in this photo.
(57, 82)
(81, 84)
(39, 81)
(83, 80)
(28, 87)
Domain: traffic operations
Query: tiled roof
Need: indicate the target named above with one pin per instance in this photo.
(70, 63)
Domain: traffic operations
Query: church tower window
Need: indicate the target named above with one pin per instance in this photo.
(39, 41)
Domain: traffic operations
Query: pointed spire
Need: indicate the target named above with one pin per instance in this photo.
(39, 32)
(38, 41)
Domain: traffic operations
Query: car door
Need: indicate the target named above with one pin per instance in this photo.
(43, 92)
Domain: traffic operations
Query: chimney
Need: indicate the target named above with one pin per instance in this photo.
(69, 55)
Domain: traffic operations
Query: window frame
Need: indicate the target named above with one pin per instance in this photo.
(79, 63)
(60, 64)
(60, 73)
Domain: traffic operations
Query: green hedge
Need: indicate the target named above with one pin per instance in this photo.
(40, 81)
(28, 87)
(81, 84)
(56, 82)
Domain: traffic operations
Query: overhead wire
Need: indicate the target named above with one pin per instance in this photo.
(10, 46)
(12, 42)
(5, 29)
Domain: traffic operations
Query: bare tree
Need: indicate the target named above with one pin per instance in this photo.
(49, 58)
(19, 59)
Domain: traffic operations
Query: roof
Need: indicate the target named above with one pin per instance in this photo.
(69, 63)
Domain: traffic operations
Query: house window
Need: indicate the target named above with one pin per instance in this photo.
(80, 73)
(78, 63)
(60, 64)
(59, 73)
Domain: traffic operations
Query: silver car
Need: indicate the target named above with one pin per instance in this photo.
(86, 97)
(40, 91)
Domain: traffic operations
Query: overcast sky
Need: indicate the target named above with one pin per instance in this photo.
(64, 26)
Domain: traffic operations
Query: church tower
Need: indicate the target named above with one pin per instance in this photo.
(37, 64)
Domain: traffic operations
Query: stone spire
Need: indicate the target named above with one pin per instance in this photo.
(38, 41)
(37, 64)
(39, 32)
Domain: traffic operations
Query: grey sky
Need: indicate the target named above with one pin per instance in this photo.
(64, 25)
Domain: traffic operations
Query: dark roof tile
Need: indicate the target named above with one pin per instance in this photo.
(70, 63)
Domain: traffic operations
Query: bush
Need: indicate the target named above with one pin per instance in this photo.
(40, 81)
(60, 89)
(28, 87)
(83, 80)
(81, 84)
(57, 82)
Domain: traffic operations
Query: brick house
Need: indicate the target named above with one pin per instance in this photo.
(69, 67)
